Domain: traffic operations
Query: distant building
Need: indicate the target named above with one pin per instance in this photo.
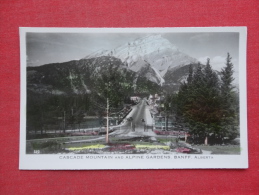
(162, 123)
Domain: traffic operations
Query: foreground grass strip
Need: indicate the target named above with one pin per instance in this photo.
(163, 140)
(97, 146)
(152, 147)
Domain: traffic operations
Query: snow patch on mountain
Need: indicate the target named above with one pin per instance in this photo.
(154, 50)
(71, 77)
(162, 81)
(142, 47)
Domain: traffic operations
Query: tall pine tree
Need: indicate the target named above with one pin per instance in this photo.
(190, 76)
(227, 79)
(200, 99)
(209, 103)
(228, 103)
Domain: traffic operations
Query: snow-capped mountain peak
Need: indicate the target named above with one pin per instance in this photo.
(155, 50)
(143, 47)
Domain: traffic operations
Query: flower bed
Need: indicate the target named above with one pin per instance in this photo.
(97, 146)
(120, 147)
(140, 146)
(188, 150)
(183, 150)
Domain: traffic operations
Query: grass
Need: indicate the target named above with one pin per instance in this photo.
(163, 140)
(226, 149)
(82, 144)
(42, 145)
(53, 144)
(60, 139)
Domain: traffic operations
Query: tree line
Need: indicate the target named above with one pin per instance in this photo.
(47, 110)
(208, 103)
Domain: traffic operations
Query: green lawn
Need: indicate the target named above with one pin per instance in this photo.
(163, 140)
(227, 149)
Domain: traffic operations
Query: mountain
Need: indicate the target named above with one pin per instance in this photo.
(69, 77)
(152, 61)
(174, 78)
(83, 76)
(153, 50)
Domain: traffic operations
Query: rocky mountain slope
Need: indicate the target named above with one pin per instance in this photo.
(80, 76)
(152, 61)
(158, 52)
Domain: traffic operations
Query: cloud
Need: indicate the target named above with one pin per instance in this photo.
(31, 62)
(203, 60)
(219, 62)
(201, 37)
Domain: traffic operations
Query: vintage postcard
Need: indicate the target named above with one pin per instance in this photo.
(133, 98)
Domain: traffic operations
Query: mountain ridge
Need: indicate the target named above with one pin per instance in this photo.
(155, 50)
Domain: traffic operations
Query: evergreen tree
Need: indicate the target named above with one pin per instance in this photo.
(189, 97)
(198, 77)
(181, 100)
(113, 83)
(210, 76)
(212, 106)
(190, 76)
(227, 79)
(229, 102)
(200, 100)
(209, 106)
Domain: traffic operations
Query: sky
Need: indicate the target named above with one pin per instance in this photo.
(45, 48)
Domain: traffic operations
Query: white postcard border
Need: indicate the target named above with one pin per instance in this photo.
(117, 161)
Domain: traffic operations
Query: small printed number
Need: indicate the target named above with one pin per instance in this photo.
(36, 152)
